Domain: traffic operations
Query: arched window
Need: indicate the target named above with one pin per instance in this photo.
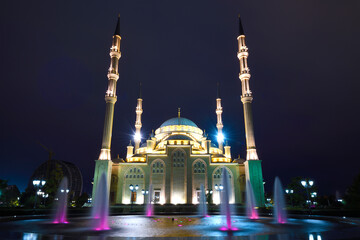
(178, 158)
(157, 167)
(199, 167)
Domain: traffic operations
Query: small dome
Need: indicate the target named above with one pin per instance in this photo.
(178, 121)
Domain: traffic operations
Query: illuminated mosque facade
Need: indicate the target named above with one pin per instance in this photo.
(178, 157)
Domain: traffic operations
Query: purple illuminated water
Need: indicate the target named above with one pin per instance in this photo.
(149, 205)
(251, 211)
(61, 202)
(279, 202)
(100, 210)
(202, 202)
(225, 197)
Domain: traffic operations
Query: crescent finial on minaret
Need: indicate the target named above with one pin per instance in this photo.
(218, 90)
(241, 29)
(117, 29)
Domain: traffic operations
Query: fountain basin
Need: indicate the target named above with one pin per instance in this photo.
(186, 226)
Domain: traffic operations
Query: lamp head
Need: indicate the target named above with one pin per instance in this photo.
(36, 182)
(303, 182)
(136, 187)
(311, 183)
(131, 187)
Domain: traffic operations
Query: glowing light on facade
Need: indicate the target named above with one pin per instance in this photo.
(177, 135)
(220, 137)
(137, 137)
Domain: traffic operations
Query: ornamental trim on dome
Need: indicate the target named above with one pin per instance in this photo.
(178, 121)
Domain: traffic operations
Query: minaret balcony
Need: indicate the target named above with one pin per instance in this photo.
(244, 75)
(113, 76)
(242, 54)
(245, 98)
(116, 54)
(111, 99)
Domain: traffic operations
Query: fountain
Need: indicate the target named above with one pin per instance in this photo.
(186, 227)
(251, 211)
(202, 202)
(100, 211)
(61, 202)
(224, 203)
(279, 202)
(149, 205)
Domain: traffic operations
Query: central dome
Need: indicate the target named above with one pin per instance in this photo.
(178, 121)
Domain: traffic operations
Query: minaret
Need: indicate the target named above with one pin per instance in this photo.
(219, 124)
(138, 125)
(252, 164)
(103, 165)
(110, 95)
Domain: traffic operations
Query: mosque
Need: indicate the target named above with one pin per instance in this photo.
(178, 157)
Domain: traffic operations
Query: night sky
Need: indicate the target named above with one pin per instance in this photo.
(304, 61)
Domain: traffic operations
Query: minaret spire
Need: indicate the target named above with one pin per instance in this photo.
(110, 96)
(241, 29)
(138, 125)
(252, 164)
(117, 29)
(219, 124)
(246, 96)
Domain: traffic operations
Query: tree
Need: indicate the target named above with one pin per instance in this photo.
(352, 196)
(300, 195)
(3, 185)
(27, 198)
(79, 202)
(52, 183)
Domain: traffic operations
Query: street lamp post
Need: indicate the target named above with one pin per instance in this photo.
(290, 192)
(37, 184)
(209, 193)
(307, 184)
(144, 193)
(219, 189)
(133, 192)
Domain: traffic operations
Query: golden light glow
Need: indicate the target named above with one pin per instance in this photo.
(105, 154)
(221, 160)
(251, 154)
(136, 159)
(215, 150)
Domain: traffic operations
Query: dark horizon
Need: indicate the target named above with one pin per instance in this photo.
(302, 57)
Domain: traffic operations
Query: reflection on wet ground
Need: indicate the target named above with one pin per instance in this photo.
(184, 227)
